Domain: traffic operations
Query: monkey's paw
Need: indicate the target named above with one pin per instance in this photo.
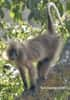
(32, 91)
(41, 80)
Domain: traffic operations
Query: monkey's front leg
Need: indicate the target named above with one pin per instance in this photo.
(22, 73)
(33, 78)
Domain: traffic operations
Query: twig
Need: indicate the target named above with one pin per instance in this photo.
(56, 88)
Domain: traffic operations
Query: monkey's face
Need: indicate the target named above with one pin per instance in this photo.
(11, 52)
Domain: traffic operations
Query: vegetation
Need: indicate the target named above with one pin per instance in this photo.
(12, 24)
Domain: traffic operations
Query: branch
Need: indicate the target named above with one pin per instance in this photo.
(56, 88)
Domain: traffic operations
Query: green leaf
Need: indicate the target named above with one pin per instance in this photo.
(12, 14)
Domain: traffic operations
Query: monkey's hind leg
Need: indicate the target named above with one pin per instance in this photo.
(33, 79)
(42, 69)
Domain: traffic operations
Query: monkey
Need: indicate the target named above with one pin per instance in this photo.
(46, 46)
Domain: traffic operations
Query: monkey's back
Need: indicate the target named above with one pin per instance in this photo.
(42, 46)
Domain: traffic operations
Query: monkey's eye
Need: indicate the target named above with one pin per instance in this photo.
(13, 54)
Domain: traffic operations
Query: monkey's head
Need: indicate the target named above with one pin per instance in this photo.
(13, 51)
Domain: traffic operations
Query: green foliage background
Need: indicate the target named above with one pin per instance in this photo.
(10, 85)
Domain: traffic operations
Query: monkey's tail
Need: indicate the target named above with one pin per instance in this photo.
(51, 28)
